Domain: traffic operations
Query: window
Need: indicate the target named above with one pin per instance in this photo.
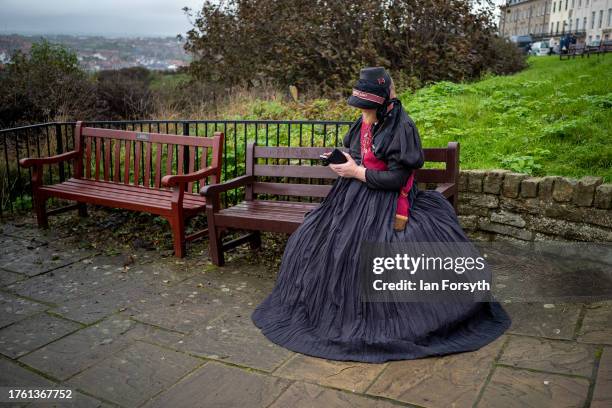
(609, 17)
(570, 26)
(600, 19)
(586, 3)
(577, 23)
(593, 20)
(566, 4)
(584, 23)
(579, 3)
(554, 7)
(573, 3)
(557, 28)
(552, 27)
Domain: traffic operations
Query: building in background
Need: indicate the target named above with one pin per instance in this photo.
(525, 17)
(588, 20)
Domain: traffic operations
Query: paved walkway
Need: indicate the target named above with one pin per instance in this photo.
(147, 330)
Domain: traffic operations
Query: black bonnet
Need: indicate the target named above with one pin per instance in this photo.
(372, 90)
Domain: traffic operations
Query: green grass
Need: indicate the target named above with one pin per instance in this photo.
(161, 80)
(554, 118)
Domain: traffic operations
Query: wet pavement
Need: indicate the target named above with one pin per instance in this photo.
(134, 328)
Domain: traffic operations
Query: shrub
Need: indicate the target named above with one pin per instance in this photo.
(322, 45)
(45, 84)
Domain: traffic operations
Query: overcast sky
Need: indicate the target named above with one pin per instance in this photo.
(96, 17)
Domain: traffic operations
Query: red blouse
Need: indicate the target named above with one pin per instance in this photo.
(370, 161)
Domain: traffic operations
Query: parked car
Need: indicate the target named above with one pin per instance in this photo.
(540, 48)
(522, 42)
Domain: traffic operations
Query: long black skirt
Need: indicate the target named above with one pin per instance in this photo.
(315, 307)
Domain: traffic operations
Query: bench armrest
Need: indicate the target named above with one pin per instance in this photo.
(214, 189)
(174, 180)
(38, 161)
(446, 189)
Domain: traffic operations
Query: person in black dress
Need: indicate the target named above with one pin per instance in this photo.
(316, 306)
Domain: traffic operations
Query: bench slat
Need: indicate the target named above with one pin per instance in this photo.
(107, 159)
(88, 157)
(170, 150)
(292, 189)
(279, 170)
(98, 156)
(147, 169)
(127, 189)
(158, 165)
(274, 152)
(137, 162)
(431, 176)
(147, 137)
(128, 156)
(435, 154)
(134, 194)
(192, 153)
(117, 161)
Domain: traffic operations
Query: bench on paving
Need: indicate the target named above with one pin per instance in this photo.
(112, 168)
(256, 215)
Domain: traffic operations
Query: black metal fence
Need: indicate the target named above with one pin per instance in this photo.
(48, 139)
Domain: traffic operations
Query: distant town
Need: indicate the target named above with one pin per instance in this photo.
(97, 53)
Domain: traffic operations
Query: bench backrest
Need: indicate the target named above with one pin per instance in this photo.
(140, 158)
(304, 163)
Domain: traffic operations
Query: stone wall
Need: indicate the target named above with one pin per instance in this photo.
(498, 204)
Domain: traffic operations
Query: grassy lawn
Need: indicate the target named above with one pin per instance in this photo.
(554, 118)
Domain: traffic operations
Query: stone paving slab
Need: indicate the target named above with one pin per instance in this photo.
(347, 375)
(454, 380)
(68, 282)
(217, 385)
(556, 321)
(74, 353)
(304, 395)
(15, 308)
(511, 388)
(29, 334)
(234, 338)
(186, 307)
(597, 324)
(236, 283)
(44, 258)
(12, 374)
(602, 395)
(108, 300)
(549, 355)
(28, 230)
(135, 374)
(11, 247)
(6, 277)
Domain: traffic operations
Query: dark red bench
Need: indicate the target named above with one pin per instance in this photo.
(257, 215)
(112, 168)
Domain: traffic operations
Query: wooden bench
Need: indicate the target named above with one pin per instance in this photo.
(573, 50)
(112, 168)
(257, 215)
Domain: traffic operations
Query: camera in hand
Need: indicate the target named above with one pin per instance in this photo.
(336, 157)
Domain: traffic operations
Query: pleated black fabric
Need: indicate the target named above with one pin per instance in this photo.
(315, 306)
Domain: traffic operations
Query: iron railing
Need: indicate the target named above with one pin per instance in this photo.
(48, 139)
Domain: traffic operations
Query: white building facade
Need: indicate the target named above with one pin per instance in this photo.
(590, 21)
